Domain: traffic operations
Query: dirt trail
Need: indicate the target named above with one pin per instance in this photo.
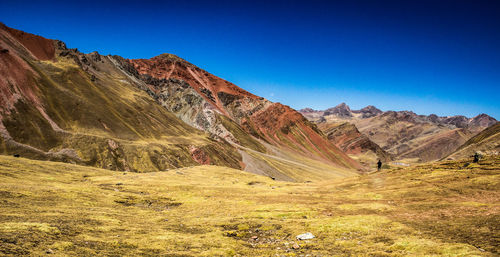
(262, 168)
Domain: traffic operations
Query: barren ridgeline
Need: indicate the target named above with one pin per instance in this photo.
(369, 134)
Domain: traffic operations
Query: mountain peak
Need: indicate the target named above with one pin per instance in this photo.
(342, 105)
(169, 57)
(341, 110)
(308, 110)
(484, 116)
(371, 108)
(369, 111)
(483, 120)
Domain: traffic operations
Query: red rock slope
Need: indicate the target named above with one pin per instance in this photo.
(39, 47)
(273, 123)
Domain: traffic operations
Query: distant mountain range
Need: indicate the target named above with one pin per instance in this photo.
(402, 134)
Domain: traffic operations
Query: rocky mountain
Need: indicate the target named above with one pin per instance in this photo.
(368, 112)
(229, 112)
(348, 138)
(147, 115)
(404, 134)
(60, 104)
(485, 142)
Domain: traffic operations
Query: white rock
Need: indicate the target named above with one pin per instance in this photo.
(305, 236)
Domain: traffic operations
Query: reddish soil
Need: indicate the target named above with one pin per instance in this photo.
(200, 156)
(167, 66)
(345, 137)
(327, 148)
(279, 118)
(41, 48)
(275, 117)
(16, 77)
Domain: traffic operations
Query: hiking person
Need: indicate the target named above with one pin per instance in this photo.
(379, 165)
(476, 158)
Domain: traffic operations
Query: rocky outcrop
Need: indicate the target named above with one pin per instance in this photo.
(182, 100)
(200, 156)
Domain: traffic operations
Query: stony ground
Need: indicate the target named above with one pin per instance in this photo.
(443, 209)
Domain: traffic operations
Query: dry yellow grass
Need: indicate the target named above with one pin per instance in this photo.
(67, 210)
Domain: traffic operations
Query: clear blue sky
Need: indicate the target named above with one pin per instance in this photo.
(434, 56)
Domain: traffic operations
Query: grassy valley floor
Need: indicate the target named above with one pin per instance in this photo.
(441, 209)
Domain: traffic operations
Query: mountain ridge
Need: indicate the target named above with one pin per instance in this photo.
(250, 112)
(460, 121)
(53, 109)
(139, 115)
(405, 134)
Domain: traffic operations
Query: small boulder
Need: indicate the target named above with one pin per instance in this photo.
(305, 236)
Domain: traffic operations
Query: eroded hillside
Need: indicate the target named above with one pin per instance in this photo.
(357, 145)
(223, 109)
(148, 115)
(486, 142)
(56, 106)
